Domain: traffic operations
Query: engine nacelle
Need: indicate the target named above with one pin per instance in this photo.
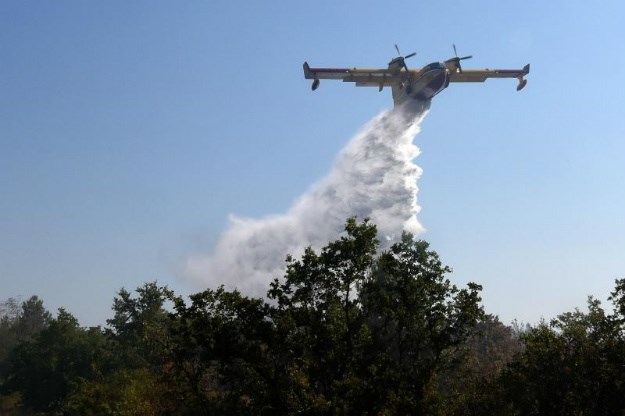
(315, 84)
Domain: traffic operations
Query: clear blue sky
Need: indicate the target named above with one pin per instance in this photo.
(129, 131)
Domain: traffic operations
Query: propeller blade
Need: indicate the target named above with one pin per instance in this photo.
(410, 56)
(458, 59)
(397, 49)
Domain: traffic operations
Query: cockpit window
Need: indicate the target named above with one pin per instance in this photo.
(434, 65)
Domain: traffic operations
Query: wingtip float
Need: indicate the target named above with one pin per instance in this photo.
(418, 84)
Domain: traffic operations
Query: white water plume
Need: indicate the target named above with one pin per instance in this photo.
(373, 177)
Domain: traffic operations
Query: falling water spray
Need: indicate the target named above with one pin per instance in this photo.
(374, 177)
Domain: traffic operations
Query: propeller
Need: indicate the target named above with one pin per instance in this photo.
(458, 59)
(403, 58)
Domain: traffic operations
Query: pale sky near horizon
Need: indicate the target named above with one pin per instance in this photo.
(129, 131)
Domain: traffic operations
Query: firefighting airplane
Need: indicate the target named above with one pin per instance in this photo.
(419, 84)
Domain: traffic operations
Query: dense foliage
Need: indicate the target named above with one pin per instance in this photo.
(346, 331)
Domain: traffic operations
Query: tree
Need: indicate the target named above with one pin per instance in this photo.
(44, 369)
(221, 354)
(417, 319)
(366, 334)
(9, 316)
(348, 330)
(320, 324)
(19, 322)
(572, 365)
(120, 393)
(9, 309)
(33, 318)
(139, 326)
(471, 386)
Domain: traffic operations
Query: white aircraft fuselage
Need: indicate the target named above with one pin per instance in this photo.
(423, 84)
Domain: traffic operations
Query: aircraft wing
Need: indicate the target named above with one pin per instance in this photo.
(362, 77)
(481, 75)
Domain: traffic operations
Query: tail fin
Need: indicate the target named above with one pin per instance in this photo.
(307, 71)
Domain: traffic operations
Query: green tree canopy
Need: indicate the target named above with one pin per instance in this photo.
(44, 368)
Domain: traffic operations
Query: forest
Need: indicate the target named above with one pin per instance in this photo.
(348, 330)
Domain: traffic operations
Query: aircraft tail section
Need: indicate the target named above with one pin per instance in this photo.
(307, 74)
